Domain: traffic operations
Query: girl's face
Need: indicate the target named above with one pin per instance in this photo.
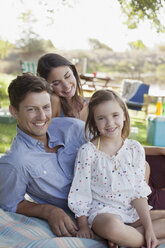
(109, 119)
(63, 81)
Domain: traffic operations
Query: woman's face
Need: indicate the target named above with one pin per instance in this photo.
(63, 81)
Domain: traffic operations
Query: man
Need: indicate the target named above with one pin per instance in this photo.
(41, 159)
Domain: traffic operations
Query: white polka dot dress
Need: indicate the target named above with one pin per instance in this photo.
(104, 184)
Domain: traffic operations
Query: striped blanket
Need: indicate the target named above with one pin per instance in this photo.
(18, 231)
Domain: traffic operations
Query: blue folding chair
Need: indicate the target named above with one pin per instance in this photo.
(137, 101)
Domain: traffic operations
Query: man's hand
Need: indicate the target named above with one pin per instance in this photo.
(61, 224)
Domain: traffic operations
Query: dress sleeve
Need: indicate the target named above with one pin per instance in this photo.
(80, 196)
(141, 188)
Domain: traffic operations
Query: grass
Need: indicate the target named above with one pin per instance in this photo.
(138, 119)
(7, 133)
(141, 125)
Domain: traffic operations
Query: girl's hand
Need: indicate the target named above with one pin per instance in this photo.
(85, 232)
(112, 245)
(151, 240)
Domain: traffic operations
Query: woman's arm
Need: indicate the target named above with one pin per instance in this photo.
(154, 150)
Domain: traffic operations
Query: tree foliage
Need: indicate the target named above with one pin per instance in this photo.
(96, 44)
(137, 45)
(30, 40)
(134, 11)
(161, 47)
(5, 47)
(137, 10)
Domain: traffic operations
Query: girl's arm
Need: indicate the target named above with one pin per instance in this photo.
(154, 150)
(83, 229)
(80, 196)
(141, 207)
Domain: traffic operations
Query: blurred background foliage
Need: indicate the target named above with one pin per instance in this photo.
(137, 62)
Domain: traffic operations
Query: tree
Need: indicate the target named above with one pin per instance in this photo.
(96, 44)
(134, 11)
(139, 10)
(5, 47)
(137, 45)
(29, 36)
(161, 47)
(160, 72)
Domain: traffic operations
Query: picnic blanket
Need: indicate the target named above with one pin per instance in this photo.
(19, 231)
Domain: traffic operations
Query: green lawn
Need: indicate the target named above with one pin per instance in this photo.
(141, 124)
(7, 133)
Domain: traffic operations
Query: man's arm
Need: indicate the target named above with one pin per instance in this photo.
(60, 223)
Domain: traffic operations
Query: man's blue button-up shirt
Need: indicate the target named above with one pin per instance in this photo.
(45, 177)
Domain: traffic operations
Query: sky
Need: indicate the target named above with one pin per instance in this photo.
(73, 26)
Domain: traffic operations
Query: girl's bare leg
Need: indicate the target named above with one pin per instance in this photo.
(110, 227)
(155, 215)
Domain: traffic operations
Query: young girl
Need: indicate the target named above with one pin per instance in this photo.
(109, 192)
(66, 95)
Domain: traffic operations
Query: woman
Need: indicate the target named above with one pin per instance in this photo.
(67, 97)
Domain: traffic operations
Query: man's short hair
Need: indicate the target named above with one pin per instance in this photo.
(24, 84)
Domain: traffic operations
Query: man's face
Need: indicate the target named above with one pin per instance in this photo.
(34, 114)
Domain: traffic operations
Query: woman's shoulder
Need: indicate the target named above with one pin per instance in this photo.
(56, 105)
(84, 110)
(55, 98)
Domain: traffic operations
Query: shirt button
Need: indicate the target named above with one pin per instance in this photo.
(45, 172)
